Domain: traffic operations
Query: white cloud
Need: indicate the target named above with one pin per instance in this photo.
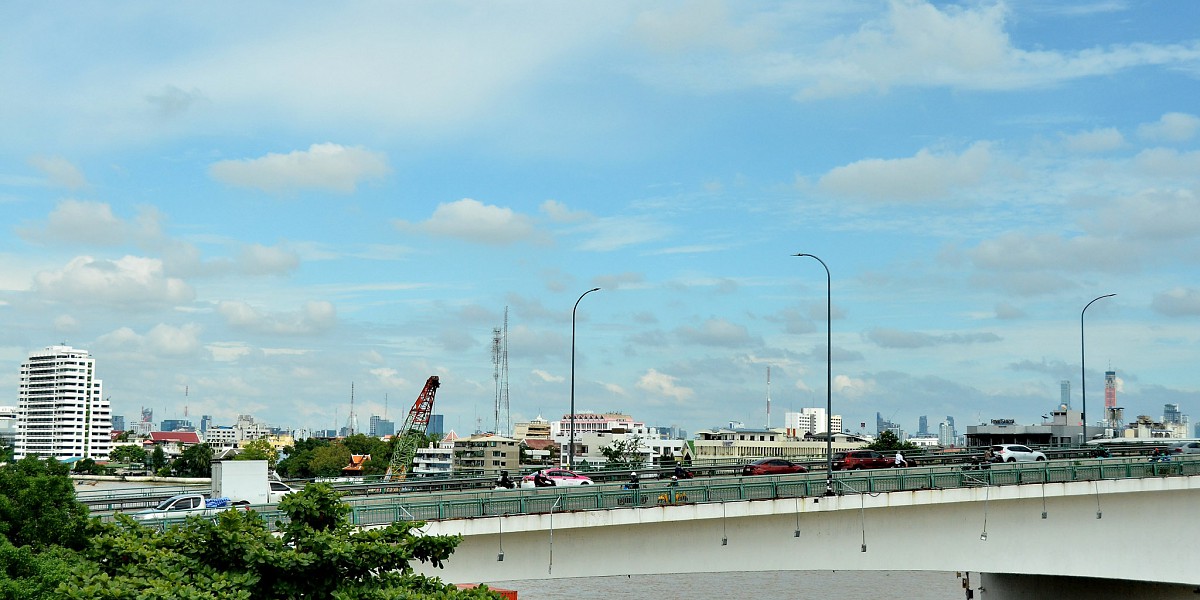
(716, 332)
(1177, 302)
(60, 171)
(663, 385)
(474, 221)
(130, 280)
(547, 377)
(328, 166)
(852, 387)
(1096, 140)
(559, 213)
(1171, 127)
(1166, 162)
(313, 317)
(256, 259)
(161, 340)
(93, 223)
(925, 176)
(615, 233)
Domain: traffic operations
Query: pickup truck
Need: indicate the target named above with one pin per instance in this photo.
(186, 505)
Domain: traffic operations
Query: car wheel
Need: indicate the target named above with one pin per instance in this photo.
(1012, 459)
(1040, 458)
(585, 483)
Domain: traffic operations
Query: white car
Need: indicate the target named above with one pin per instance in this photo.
(1016, 453)
(558, 476)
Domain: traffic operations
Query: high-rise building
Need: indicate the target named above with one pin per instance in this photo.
(61, 410)
(205, 423)
(1171, 413)
(175, 425)
(380, 427)
(1064, 393)
(945, 434)
(923, 425)
(435, 425)
(118, 423)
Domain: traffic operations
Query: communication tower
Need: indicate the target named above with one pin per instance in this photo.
(1114, 414)
(500, 374)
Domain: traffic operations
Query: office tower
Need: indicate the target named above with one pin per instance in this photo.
(118, 423)
(435, 425)
(923, 425)
(61, 410)
(1064, 393)
(1171, 414)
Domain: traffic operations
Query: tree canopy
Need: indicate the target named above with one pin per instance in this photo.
(888, 441)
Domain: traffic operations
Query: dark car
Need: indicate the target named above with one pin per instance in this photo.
(861, 459)
(772, 466)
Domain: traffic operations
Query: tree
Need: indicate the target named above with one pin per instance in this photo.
(318, 555)
(128, 454)
(299, 456)
(38, 506)
(158, 459)
(624, 454)
(328, 461)
(889, 442)
(194, 461)
(259, 449)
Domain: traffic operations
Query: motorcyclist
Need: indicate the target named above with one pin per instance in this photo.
(505, 482)
(540, 480)
(633, 481)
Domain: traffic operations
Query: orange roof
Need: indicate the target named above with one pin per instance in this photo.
(182, 437)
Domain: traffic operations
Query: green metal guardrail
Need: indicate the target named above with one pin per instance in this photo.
(465, 505)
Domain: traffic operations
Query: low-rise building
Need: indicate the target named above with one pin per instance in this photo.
(173, 443)
(436, 459)
(725, 446)
(485, 455)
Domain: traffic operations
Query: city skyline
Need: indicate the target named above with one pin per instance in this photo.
(251, 215)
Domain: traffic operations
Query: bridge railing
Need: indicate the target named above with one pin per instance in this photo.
(465, 505)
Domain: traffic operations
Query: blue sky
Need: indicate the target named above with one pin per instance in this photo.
(263, 204)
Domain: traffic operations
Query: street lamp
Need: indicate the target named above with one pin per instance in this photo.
(828, 376)
(571, 447)
(1082, 366)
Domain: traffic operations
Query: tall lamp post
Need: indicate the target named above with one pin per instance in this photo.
(1083, 367)
(828, 376)
(571, 446)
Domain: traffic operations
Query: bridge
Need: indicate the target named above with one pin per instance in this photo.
(1077, 529)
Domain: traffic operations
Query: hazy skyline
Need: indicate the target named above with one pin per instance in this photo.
(263, 204)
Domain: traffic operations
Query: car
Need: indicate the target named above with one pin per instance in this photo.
(772, 466)
(558, 476)
(1016, 453)
(1184, 448)
(861, 459)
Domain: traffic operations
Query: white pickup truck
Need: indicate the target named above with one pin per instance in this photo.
(235, 484)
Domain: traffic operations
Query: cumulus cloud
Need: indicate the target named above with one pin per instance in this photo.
(1178, 302)
(1167, 162)
(60, 171)
(547, 377)
(130, 280)
(1096, 140)
(895, 338)
(474, 221)
(313, 317)
(1150, 216)
(1171, 127)
(94, 224)
(161, 340)
(255, 259)
(559, 213)
(662, 385)
(328, 166)
(715, 332)
(926, 176)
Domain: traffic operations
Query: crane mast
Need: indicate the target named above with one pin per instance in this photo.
(415, 427)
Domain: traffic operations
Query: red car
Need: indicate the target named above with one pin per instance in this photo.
(862, 459)
(772, 466)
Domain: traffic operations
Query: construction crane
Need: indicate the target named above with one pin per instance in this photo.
(413, 432)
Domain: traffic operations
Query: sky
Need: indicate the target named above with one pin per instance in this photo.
(254, 208)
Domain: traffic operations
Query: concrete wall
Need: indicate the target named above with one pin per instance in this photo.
(935, 530)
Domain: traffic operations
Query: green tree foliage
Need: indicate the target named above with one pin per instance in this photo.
(158, 459)
(194, 461)
(623, 454)
(889, 442)
(128, 454)
(259, 449)
(328, 461)
(38, 507)
(299, 456)
(88, 466)
(236, 557)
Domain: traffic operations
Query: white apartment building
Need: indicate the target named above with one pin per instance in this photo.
(61, 410)
(435, 460)
(653, 446)
(224, 437)
(809, 420)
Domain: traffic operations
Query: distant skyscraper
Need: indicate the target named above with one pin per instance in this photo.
(61, 410)
(380, 427)
(1064, 393)
(923, 425)
(435, 425)
(945, 434)
(175, 425)
(118, 423)
(205, 423)
(1171, 414)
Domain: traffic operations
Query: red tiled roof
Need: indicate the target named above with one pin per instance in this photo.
(538, 443)
(182, 437)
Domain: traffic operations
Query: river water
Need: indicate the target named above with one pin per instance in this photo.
(800, 585)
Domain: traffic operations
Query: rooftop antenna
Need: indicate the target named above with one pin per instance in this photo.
(769, 396)
(500, 376)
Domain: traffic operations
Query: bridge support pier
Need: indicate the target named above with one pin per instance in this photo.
(1004, 586)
